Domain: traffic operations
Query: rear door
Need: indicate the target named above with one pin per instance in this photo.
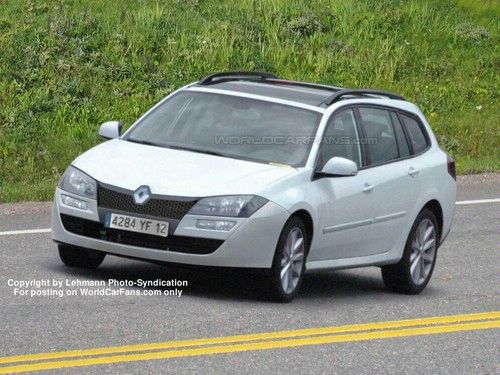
(389, 175)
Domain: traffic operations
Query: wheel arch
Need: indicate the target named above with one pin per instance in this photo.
(434, 206)
(306, 217)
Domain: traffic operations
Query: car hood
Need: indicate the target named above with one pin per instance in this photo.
(176, 172)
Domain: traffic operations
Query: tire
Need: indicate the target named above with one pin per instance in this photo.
(284, 289)
(79, 257)
(412, 273)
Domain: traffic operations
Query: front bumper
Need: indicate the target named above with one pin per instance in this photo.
(250, 244)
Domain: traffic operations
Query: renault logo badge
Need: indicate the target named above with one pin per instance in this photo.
(142, 194)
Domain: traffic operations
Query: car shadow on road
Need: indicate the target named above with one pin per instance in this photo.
(232, 284)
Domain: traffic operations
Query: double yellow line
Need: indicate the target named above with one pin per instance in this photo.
(249, 342)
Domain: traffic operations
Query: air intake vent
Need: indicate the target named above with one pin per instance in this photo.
(180, 244)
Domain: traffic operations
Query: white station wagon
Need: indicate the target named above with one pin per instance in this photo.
(243, 169)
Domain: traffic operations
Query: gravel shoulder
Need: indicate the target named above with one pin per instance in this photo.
(473, 186)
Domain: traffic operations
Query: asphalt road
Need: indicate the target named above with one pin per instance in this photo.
(215, 304)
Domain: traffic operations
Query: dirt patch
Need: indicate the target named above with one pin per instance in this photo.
(24, 208)
(478, 179)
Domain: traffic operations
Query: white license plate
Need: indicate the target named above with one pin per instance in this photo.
(136, 224)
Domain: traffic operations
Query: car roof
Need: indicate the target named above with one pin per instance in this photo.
(269, 85)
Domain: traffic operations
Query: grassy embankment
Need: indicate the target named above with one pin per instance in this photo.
(67, 66)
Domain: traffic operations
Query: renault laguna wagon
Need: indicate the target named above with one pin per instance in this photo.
(243, 169)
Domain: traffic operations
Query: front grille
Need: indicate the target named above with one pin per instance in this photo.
(159, 207)
(181, 244)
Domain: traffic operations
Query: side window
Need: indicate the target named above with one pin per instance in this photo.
(416, 134)
(404, 149)
(380, 138)
(340, 139)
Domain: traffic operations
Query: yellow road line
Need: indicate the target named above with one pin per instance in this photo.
(253, 337)
(253, 346)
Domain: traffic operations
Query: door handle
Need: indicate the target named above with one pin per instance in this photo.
(412, 171)
(367, 188)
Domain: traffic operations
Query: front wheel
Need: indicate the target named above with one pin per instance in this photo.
(80, 258)
(414, 270)
(289, 260)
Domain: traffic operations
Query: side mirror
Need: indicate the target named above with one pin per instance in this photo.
(110, 129)
(338, 167)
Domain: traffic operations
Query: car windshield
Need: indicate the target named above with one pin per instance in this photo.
(230, 126)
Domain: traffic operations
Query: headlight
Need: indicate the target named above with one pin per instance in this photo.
(76, 182)
(229, 205)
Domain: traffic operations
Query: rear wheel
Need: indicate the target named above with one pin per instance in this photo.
(415, 268)
(79, 257)
(289, 260)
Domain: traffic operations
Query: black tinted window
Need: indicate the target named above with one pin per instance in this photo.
(340, 139)
(416, 134)
(404, 150)
(381, 140)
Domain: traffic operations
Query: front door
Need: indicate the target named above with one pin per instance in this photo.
(346, 207)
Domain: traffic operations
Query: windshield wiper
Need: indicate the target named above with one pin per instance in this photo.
(142, 142)
(209, 152)
(201, 151)
(175, 147)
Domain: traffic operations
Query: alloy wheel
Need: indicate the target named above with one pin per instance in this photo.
(423, 251)
(292, 261)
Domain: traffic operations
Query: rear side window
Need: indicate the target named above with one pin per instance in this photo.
(404, 149)
(416, 133)
(380, 138)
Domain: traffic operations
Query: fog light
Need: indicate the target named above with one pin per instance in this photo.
(73, 202)
(224, 225)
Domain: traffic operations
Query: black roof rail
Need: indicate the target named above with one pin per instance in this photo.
(263, 76)
(360, 92)
(236, 75)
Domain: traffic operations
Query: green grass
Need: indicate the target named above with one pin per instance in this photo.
(67, 66)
